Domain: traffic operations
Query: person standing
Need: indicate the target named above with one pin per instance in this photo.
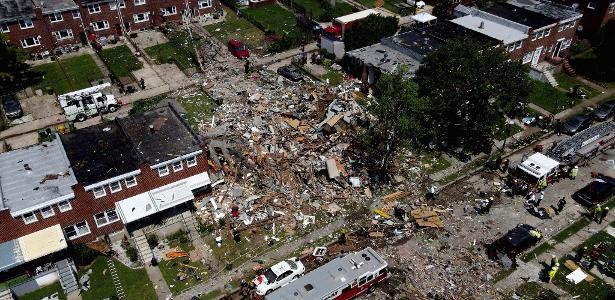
(573, 172)
(553, 272)
(560, 204)
(142, 81)
(532, 199)
(553, 260)
(603, 214)
(597, 212)
(540, 197)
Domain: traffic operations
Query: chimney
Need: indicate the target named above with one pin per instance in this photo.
(481, 25)
(151, 129)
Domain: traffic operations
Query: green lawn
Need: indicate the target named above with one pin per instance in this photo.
(542, 248)
(550, 98)
(211, 295)
(13, 281)
(506, 131)
(596, 290)
(179, 49)
(199, 106)
(273, 18)
(234, 27)
(435, 162)
(334, 77)
(120, 61)
(135, 282)
(534, 290)
(69, 74)
(194, 273)
(45, 291)
(571, 229)
(567, 82)
(388, 4)
(318, 12)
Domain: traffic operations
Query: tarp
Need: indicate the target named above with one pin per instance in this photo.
(423, 17)
(42, 242)
(10, 255)
(576, 276)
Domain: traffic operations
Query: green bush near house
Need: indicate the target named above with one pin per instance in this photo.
(120, 61)
(67, 75)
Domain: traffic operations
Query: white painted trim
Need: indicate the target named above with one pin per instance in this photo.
(53, 213)
(70, 206)
(176, 159)
(41, 205)
(107, 181)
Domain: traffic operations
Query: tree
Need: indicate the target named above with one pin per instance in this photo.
(605, 47)
(469, 87)
(369, 31)
(15, 73)
(396, 110)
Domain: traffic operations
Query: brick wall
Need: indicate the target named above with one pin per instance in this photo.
(85, 205)
(547, 42)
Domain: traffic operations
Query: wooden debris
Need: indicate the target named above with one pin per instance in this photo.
(572, 266)
(382, 213)
(395, 196)
(426, 218)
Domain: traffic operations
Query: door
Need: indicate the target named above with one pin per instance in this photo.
(536, 56)
(558, 47)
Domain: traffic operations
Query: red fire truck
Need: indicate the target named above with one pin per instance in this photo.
(342, 278)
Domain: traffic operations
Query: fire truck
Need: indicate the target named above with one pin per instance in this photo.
(342, 278)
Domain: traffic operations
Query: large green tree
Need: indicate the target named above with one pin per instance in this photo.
(369, 31)
(15, 73)
(469, 87)
(605, 51)
(396, 110)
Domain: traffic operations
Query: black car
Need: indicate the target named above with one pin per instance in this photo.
(604, 111)
(11, 107)
(600, 189)
(291, 72)
(576, 124)
(310, 25)
(514, 241)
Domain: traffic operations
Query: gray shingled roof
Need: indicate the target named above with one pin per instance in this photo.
(11, 10)
(35, 177)
(550, 9)
(51, 6)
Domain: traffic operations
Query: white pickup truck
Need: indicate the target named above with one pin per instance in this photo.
(82, 104)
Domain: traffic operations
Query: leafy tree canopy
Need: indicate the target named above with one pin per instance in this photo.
(469, 88)
(369, 31)
(15, 73)
(605, 50)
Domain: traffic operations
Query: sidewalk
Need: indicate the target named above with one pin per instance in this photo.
(160, 285)
(284, 55)
(583, 104)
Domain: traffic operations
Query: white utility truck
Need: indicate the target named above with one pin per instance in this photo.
(82, 104)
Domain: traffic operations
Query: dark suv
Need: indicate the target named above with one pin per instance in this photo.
(597, 191)
(515, 241)
(11, 107)
(576, 124)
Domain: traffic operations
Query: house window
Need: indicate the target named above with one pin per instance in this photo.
(25, 23)
(204, 4)
(64, 206)
(168, 11)
(47, 212)
(4, 28)
(163, 171)
(76, 14)
(63, 34)
(101, 25)
(99, 192)
(31, 42)
(612, 8)
(139, 2)
(591, 5)
(29, 218)
(117, 3)
(106, 217)
(178, 166)
(94, 8)
(191, 161)
(115, 186)
(527, 57)
(78, 230)
(141, 17)
(547, 32)
(131, 181)
(55, 17)
(518, 44)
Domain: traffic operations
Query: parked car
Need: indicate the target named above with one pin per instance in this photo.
(291, 72)
(604, 111)
(576, 124)
(278, 275)
(599, 190)
(238, 49)
(11, 107)
(310, 25)
(515, 241)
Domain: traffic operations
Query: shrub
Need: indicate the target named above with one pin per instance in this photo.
(152, 241)
(82, 254)
(206, 228)
(132, 254)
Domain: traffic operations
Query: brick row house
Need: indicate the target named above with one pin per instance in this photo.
(100, 180)
(596, 13)
(530, 30)
(42, 25)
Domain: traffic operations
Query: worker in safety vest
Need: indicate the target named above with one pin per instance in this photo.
(573, 172)
(536, 233)
(553, 272)
(553, 260)
(542, 183)
(597, 212)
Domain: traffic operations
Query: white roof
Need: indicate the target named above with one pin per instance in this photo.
(42, 242)
(356, 16)
(538, 165)
(505, 34)
(423, 17)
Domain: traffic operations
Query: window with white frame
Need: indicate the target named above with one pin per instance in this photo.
(591, 5)
(47, 212)
(56, 17)
(94, 8)
(31, 42)
(131, 181)
(178, 166)
(163, 171)
(106, 217)
(78, 230)
(25, 23)
(527, 57)
(191, 161)
(547, 32)
(115, 186)
(114, 4)
(168, 11)
(139, 2)
(612, 8)
(4, 28)
(566, 25)
(63, 34)
(64, 206)
(101, 25)
(141, 17)
(29, 218)
(204, 3)
(76, 14)
(99, 191)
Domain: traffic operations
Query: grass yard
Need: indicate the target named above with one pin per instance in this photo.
(505, 131)
(194, 273)
(120, 61)
(534, 290)
(550, 98)
(571, 230)
(434, 162)
(388, 5)
(45, 291)
(179, 50)
(567, 82)
(596, 290)
(68, 75)
(135, 282)
(318, 12)
(334, 77)
(234, 27)
(542, 248)
(211, 295)
(13, 281)
(199, 108)
(273, 18)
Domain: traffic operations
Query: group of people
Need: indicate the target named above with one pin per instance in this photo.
(533, 204)
(598, 213)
